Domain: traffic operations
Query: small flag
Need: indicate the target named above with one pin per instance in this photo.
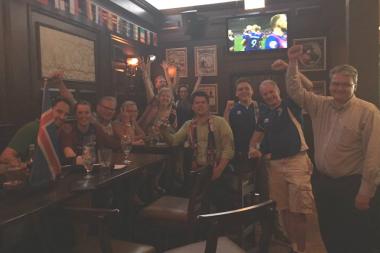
(45, 2)
(142, 35)
(155, 39)
(89, 9)
(135, 32)
(129, 31)
(148, 39)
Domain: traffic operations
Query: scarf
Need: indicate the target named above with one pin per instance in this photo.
(193, 143)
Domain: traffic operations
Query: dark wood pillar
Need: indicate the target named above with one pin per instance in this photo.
(364, 47)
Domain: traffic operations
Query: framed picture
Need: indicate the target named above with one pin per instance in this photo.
(206, 63)
(178, 58)
(314, 53)
(212, 91)
(319, 87)
(61, 51)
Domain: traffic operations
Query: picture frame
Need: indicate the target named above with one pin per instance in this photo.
(66, 52)
(178, 58)
(319, 87)
(206, 62)
(212, 91)
(314, 53)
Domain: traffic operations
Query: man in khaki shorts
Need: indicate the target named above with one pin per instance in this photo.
(279, 137)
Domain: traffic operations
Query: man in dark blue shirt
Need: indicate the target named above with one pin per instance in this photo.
(289, 168)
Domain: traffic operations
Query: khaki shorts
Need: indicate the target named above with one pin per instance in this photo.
(289, 183)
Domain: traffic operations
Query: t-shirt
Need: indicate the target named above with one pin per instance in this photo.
(252, 40)
(282, 138)
(243, 123)
(25, 136)
(184, 112)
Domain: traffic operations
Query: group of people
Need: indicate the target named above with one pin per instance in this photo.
(344, 181)
(347, 161)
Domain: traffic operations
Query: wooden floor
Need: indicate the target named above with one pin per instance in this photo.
(314, 242)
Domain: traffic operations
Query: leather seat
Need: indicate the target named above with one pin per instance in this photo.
(167, 208)
(225, 245)
(92, 245)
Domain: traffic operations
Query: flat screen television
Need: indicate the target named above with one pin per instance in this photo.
(257, 32)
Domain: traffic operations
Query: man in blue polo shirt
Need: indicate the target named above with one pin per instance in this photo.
(242, 116)
(289, 168)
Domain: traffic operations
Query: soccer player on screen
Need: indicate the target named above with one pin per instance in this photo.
(252, 37)
(278, 37)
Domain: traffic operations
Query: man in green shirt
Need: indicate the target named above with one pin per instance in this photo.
(208, 135)
(18, 148)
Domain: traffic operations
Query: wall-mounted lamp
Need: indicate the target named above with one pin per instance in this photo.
(172, 71)
(132, 65)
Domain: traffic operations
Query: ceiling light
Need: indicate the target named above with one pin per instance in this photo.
(254, 4)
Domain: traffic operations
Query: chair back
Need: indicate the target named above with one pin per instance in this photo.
(199, 190)
(216, 222)
(95, 216)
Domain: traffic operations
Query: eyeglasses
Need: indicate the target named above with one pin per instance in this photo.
(343, 85)
(108, 108)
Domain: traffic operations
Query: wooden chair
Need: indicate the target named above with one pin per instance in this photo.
(102, 243)
(170, 213)
(217, 222)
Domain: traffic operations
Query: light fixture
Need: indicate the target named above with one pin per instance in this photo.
(254, 4)
(152, 57)
(132, 66)
(172, 70)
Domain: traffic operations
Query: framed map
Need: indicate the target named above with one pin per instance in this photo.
(61, 51)
(178, 58)
(206, 61)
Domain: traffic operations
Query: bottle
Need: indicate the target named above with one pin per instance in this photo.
(30, 157)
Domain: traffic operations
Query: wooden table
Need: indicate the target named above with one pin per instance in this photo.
(15, 206)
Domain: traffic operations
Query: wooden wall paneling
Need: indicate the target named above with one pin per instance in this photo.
(17, 66)
(364, 47)
(3, 114)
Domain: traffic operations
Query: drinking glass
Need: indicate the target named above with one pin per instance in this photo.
(126, 146)
(105, 157)
(89, 158)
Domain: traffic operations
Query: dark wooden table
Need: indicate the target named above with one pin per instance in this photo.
(17, 205)
(154, 149)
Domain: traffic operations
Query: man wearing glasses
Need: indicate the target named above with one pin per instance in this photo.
(105, 112)
(347, 156)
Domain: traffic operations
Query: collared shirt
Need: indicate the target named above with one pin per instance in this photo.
(346, 137)
(222, 133)
(243, 121)
(107, 128)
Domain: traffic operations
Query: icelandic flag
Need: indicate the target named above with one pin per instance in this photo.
(46, 163)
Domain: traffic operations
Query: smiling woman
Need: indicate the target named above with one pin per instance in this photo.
(162, 5)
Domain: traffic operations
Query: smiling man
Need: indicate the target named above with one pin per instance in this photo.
(82, 133)
(347, 147)
(17, 150)
(211, 141)
(279, 136)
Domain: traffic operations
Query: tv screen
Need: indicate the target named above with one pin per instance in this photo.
(257, 32)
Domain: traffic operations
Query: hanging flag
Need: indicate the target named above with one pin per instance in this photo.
(155, 39)
(62, 5)
(73, 7)
(45, 2)
(129, 30)
(111, 21)
(135, 32)
(57, 3)
(122, 27)
(114, 19)
(142, 35)
(89, 9)
(94, 11)
(46, 163)
(148, 39)
(104, 17)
